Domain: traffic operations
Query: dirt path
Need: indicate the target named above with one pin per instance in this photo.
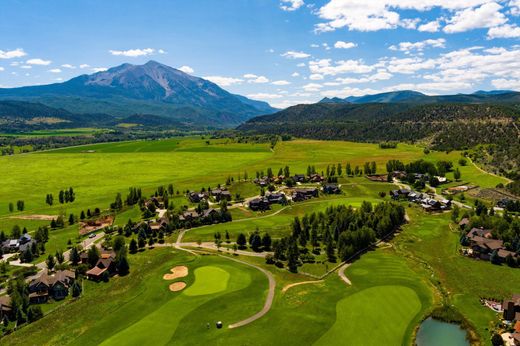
(300, 283)
(486, 172)
(341, 273)
(268, 301)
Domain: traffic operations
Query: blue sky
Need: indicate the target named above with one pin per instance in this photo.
(283, 52)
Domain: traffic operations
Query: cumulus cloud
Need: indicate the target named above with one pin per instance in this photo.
(253, 78)
(374, 15)
(69, 66)
(344, 45)
(432, 26)
(295, 55)
(316, 76)
(486, 16)
(291, 5)
(99, 69)
(281, 82)
(295, 74)
(224, 81)
(11, 54)
(510, 84)
(26, 67)
(2, 69)
(38, 62)
(312, 87)
(504, 31)
(327, 67)
(264, 96)
(133, 53)
(186, 69)
(408, 47)
(55, 70)
(84, 66)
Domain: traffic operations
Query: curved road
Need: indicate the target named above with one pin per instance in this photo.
(268, 301)
(341, 273)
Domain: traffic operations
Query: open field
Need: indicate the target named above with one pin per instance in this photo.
(59, 132)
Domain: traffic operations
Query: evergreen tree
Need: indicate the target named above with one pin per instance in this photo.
(74, 256)
(266, 242)
(50, 262)
(133, 246)
(76, 289)
(241, 241)
(93, 256)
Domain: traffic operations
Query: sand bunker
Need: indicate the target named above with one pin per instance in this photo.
(177, 286)
(35, 217)
(177, 272)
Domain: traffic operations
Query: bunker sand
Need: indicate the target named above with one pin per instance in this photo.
(177, 272)
(177, 286)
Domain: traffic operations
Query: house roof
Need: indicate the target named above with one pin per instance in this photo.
(464, 221)
(502, 253)
(480, 232)
(96, 271)
(63, 276)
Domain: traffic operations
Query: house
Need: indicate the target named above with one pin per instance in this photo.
(209, 213)
(503, 254)
(259, 204)
(105, 264)
(480, 232)
(511, 308)
(276, 198)
(196, 197)
(83, 257)
(189, 216)
(383, 178)
(331, 189)
(464, 223)
(17, 245)
(304, 194)
(315, 178)
(55, 286)
(299, 178)
(5, 307)
(221, 194)
(483, 247)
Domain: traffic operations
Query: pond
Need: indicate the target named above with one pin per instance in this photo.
(437, 333)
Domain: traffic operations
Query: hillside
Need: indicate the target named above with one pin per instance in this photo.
(152, 88)
(441, 126)
(414, 97)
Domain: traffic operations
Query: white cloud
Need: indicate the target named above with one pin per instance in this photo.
(38, 62)
(161, 51)
(288, 103)
(2, 69)
(315, 45)
(374, 15)
(344, 45)
(69, 66)
(325, 67)
(291, 5)
(504, 31)
(514, 7)
(132, 53)
(295, 55)
(11, 54)
(99, 69)
(264, 96)
(510, 84)
(312, 87)
(486, 16)
(281, 82)
(186, 69)
(409, 65)
(432, 26)
(253, 78)
(224, 81)
(84, 66)
(295, 74)
(316, 76)
(26, 67)
(408, 47)
(302, 64)
(55, 70)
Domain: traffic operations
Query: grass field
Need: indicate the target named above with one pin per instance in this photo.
(392, 290)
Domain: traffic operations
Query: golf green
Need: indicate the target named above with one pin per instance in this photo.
(208, 280)
(375, 316)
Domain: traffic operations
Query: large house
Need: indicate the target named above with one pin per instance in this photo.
(276, 198)
(221, 194)
(55, 286)
(106, 263)
(196, 197)
(304, 194)
(483, 245)
(259, 204)
(331, 189)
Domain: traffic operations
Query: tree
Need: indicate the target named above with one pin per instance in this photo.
(227, 237)
(241, 241)
(255, 242)
(50, 262)
(34, 312)
(456, 174)
(11, 207)
(93, 256)
(16, 232)
(141, 242)
(27, 256)
(150, 242)
(133, 246)
(118, 243)
(71, 219)
(494, 257)
(82, 215)
(20, 205)
(331, 257)
(292, 256)
(59, 256)
(74, 256)
(266, 242)
(123, 268)
(76, 289)
(61, 197)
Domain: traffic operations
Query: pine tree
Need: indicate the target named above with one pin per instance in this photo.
(76, 289)
(133, 246)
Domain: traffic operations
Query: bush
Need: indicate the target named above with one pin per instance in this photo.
(279, 264)
(269, 259)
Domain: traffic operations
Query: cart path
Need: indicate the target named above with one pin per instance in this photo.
(268, 301)
(341, 273)
(300, 283)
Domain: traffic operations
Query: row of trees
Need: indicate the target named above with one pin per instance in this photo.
(20, 206)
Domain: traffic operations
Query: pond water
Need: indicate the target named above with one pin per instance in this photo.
(437, 333)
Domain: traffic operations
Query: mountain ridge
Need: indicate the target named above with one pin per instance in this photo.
(151, 88)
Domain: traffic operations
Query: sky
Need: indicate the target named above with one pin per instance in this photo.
(284, 52)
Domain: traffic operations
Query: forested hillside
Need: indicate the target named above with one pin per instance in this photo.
(441, 126)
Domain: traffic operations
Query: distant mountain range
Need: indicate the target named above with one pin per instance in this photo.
(152, 88)
(410, 96)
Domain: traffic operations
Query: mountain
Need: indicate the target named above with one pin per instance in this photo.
(415, 97)
(152, 88)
